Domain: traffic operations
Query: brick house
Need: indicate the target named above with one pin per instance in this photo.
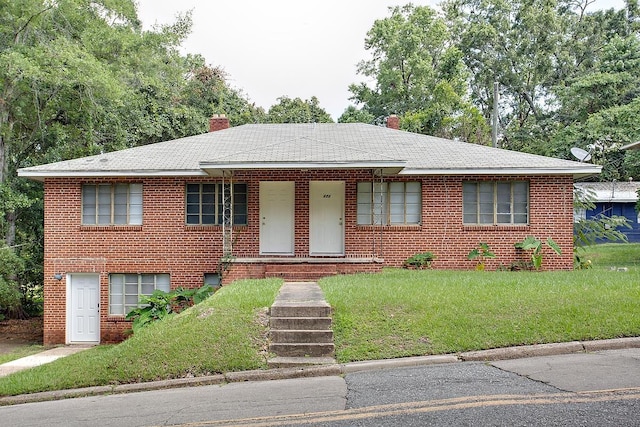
(298, 201)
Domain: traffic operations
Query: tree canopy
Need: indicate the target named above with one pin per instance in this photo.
(419, 75)
(80, 77)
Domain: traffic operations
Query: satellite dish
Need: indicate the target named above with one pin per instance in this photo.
(580, 154)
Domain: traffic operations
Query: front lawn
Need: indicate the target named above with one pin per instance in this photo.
(392, 314)
(405, 313)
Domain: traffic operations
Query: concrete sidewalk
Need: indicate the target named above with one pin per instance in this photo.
(40, 358)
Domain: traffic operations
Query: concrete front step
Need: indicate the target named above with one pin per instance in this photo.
(300, 309)
(302, 349)
(294, 362)
(301, 336)
(300, 323)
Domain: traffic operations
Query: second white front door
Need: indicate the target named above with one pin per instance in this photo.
(277, 217)
(326, 218)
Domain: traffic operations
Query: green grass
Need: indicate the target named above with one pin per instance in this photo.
(614, 255)
(21, 352)
(404, 313)
(222, 334)
(392, 314)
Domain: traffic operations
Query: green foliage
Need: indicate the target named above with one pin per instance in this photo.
(420, 261)
(535, 245)
(78, 78)
(10, 266)
(296, 110)
(419, 75)
(160, 304)
(480, 252)
(354, 115)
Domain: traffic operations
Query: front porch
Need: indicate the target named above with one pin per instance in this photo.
(300, 268)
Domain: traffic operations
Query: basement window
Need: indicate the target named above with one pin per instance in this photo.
(125, 290)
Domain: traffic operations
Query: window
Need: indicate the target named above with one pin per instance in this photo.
(125, 290)
(112, 204)
(205, 204)
(389, 203)
(495, 202)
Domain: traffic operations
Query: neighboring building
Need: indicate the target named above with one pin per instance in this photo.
(298, 201)
(613, 198)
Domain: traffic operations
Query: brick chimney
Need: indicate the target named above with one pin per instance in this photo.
(393, 122)
(218, 122)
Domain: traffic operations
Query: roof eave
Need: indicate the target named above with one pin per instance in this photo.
(38, 175)
(576, 172)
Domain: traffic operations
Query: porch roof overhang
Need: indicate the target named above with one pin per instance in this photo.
(222, 168)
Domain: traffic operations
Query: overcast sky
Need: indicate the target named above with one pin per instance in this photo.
(294, 48)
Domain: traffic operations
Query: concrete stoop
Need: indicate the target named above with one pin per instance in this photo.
(300, 327)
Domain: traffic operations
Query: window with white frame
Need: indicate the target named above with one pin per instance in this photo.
(112, 204)
(205, 205)
(495, 202)
(389, 203)
(125, 290)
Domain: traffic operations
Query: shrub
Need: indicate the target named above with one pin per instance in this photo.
(419, 261)
(161, 304)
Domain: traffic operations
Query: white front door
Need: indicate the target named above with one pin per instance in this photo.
(326, 218)
(277, 217)
(84, 308)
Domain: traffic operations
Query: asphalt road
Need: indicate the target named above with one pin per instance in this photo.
(584, 389)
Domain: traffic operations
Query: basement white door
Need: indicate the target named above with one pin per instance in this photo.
(277, 217)
(84, 312)
(326, 218)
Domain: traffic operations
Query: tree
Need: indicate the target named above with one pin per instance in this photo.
(80, 77)
(207, 90)
(600, 107)
(514, 43)
(353, 115)
(419, 75)
(296, 110)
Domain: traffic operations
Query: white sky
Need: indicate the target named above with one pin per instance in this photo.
(294, 48)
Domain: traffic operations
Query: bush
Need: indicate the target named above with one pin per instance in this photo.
(419, 261)
(9, 298)
(160, 304)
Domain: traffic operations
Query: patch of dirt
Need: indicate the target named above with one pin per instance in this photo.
(16, 333)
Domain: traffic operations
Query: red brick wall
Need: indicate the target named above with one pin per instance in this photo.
(164, 244)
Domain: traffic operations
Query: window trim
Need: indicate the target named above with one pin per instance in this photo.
(495, 212)
(138, 218)
(123, 305)
(217, 196)
(387, 201)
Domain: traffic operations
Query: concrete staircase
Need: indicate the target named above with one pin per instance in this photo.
(300, 327)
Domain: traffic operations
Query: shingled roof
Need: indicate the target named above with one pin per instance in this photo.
(310, 146)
